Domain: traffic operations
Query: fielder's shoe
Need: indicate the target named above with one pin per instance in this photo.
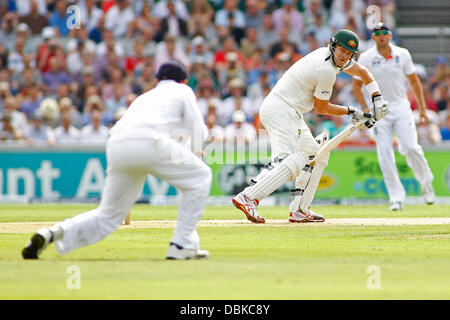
(396, 206)
(428, 194)
(305, 216)
(39, 241)
(248, 207)
(177, 252)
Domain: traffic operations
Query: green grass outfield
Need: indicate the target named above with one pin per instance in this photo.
(304, 261)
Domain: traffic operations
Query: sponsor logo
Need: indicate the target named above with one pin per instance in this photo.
(327, 181)
(352, 43)
(325, 92)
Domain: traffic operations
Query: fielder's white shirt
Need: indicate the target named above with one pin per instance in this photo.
(390, 74)
(159, 112)
(312, 76)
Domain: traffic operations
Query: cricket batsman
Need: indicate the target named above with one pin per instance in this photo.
(306, 85)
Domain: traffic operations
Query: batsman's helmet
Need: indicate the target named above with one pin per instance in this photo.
(347, 39)
(172, 70)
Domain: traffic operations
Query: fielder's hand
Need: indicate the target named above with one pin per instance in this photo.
(357, 115)
(380, 107)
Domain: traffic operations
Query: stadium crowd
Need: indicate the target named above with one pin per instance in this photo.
(62, 81)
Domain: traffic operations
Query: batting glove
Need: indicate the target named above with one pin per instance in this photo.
(357, 115)
(380, 107)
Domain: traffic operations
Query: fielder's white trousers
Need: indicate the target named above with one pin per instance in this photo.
(288, 132)
(404, 127)
(128, 164)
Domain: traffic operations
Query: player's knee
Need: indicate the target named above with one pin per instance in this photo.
(295, 163)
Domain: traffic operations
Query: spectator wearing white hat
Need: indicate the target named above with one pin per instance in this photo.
(199, 49)
(239, 129)
(236, 101)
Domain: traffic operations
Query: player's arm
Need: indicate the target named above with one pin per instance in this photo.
(380, 107)
(416, 86)
(358, 93)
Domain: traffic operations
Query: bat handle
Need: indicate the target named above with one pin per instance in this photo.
(367, 115)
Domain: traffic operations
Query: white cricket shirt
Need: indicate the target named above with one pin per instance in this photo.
(390, 73)
(312, 76)
(159, 112)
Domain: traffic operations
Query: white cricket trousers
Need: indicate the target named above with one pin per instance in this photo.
(288, 132)
(128, 164)
(404, 128)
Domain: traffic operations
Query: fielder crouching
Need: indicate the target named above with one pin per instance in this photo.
(140, 144)
(306, 85)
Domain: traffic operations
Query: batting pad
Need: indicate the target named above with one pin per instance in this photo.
(288, 169)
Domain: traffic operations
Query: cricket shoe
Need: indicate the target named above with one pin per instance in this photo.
(248, 207)
(396, 206)
(305, 216)
(39, 241)
(177, 252)
(428, 193)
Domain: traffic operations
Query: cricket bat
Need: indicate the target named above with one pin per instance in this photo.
(333, 143)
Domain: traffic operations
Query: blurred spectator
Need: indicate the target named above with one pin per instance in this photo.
(31, 99)
(66, 133)
(333, 124)
(16, 59)
(55, 75)
(216, 132)
(117, 101)
(313, 8)
(267, 35)
(239, 129)
(5, 92)
(119, 17)
(117, 78)
(8, 30)
(95, 132)
(173, 24)
(136, 60)
(66, 106)
(260, 89)
(200, 17)
(38, 133)
(18, 118)
(94, 103)
(36, 18)
(7, 129)
(282, 43)
(58, 19)
(250, 42)
(253, 14)
(161, 9)
(288, 13)
(170, 49)
(49, 109)
(236, 101)
(430, 103)
(199, 49)
(343, 10)
(145, 80)
(445, 129)
(48, 49)
(428, 133)
(90, 14)
(321, 30)
(230, 9)
(207, 97)
(25, 7)
(441, 95)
